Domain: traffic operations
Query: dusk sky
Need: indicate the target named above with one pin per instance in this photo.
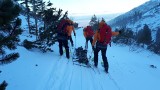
(90, 7)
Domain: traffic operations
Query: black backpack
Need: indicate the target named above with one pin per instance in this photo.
(82, 55)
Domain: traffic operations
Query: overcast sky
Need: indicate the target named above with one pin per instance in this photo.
(90, 7)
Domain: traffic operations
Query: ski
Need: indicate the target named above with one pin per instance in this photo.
(84, 65)
(96, 69)
(93, 68)
(115, 83)
(81, 65)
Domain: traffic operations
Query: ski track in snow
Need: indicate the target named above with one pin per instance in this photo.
(71, 76)
(76, 77)
(51, 78)
(59, 75)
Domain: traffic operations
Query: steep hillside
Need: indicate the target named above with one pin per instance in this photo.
(147, 13)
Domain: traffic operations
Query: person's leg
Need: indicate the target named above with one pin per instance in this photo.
(105, 61)
(60, 47)
(91, 40)
(96, 57)
(86, 46)
(65, 42)
(71, 40)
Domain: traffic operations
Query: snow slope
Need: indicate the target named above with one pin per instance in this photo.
(129, 70)
(149, 13)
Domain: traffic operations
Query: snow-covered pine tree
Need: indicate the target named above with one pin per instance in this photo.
(144, 35)
(155, 46)
(37, 7)
(27, 11)
(147, 34)
(158, 36)
(47, 35)
(9, 30)
(158, 41)
(94, 22)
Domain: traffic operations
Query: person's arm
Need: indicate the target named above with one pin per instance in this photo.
(84, 33)
(115, 33)
(73, 31)
(95, 38)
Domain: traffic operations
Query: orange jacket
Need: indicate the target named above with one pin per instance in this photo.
(84, 33)
(70, 27)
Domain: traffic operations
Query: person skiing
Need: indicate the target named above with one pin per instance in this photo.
(70, 28)
(101, 39)
(62, 36)
(88, 34)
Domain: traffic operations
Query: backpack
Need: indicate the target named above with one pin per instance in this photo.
(62, 31)
(62, 26)
(105, 34)
(89, 31)
(81, 55)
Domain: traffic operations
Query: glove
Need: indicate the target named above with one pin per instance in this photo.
(74, 34)
(120, 31)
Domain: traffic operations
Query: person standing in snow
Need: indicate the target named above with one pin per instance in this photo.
(62, 36)
(88, 34)
(101, 39)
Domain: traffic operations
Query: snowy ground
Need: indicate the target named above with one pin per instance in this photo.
(129, 70)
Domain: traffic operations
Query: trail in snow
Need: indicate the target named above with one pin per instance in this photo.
(66, 76)
(122, 71)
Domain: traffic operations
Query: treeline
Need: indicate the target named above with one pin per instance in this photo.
(142, 38)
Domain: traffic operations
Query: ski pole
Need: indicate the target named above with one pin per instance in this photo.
(91, 55)
(86, 45)
(75, 41)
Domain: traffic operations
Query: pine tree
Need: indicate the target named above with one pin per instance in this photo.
(9, 30)
(140, 37)
(158, 36)
(47, 35)
(157, 48)
(94, 23)
(26, 3)
(41, 8)
(38, 6)
(75, 25)
(126, 37)
(147, 34)
(144, 35)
